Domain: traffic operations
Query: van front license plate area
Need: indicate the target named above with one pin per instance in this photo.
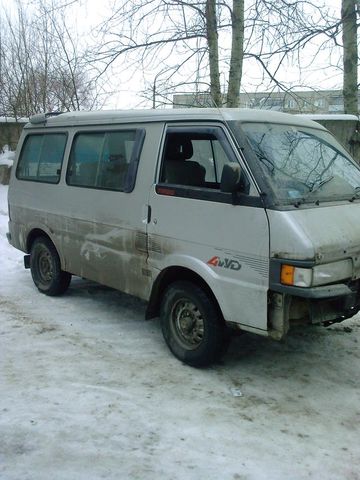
(335, 310)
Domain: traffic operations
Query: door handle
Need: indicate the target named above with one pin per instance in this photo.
(146, 214)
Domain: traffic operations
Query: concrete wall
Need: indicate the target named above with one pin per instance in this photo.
(346, 129)
(5, 171)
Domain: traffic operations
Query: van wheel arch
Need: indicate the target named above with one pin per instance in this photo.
(33, 235)
(171, 275)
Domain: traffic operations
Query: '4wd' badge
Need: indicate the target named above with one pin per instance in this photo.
(224, 263)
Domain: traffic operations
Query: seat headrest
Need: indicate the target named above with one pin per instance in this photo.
(178, 147)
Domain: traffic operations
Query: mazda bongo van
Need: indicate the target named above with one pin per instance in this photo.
(218, 218)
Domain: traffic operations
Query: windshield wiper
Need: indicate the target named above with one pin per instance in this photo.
(320, 184)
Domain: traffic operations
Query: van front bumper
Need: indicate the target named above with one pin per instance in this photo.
(324, 305)
(327, 291)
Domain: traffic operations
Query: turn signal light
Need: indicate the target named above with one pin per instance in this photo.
(296, 276)
(287, 274)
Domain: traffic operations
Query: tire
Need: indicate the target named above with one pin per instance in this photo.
(46, 269)
(192, 325)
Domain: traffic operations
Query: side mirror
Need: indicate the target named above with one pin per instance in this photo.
(230, 177)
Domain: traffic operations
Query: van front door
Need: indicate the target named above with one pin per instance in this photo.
(195, 226)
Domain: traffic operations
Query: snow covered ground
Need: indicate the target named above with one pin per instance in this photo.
(88, 390)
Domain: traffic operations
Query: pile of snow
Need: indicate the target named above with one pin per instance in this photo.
(7, 156)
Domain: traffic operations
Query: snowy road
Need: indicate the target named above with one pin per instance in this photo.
(88, 390)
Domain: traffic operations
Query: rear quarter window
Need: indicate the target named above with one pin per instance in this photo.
(41, 157)
(105, 160)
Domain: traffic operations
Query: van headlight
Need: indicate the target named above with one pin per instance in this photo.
(315, 276)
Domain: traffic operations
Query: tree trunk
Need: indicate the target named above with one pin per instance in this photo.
(237, 50)
(350, 89)
(212, 41)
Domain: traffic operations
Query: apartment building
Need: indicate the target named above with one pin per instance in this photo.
(310, 101)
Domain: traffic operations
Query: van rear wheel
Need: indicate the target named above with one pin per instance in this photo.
(46, 268)
(192, 325)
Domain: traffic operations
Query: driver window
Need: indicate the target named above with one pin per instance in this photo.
(196, 157)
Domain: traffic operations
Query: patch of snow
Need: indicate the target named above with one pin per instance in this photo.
(90, 391)
(7, 156)
(13, 120)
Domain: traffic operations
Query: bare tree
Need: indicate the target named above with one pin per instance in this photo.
(184, 44)
(41, 67)
(152, 34)
(237, 53)
(350, 57)
(211, 39)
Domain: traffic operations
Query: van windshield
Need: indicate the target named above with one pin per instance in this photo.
(303, 165)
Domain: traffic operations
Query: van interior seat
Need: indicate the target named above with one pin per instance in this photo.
(185, 173)
(178, 168)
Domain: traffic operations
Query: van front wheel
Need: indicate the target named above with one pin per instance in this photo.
(191, 324)
(46, 269)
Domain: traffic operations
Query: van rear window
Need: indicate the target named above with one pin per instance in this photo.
(105, 160)
(41, 157)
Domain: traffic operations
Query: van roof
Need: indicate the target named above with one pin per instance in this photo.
(105, 117)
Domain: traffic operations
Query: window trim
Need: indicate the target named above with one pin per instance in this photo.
(205, 193)
(196, 129)
(131, 175)
(42, 134)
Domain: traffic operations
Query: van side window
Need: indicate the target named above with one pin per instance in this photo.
(105, 160)
(196, 156)
(41, 157)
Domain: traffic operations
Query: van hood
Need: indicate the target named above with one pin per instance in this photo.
(322, 234)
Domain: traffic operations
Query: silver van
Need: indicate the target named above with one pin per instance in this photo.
(218, 218)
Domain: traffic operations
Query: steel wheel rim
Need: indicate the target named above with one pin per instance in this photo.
(187, 323)
(45, 266)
